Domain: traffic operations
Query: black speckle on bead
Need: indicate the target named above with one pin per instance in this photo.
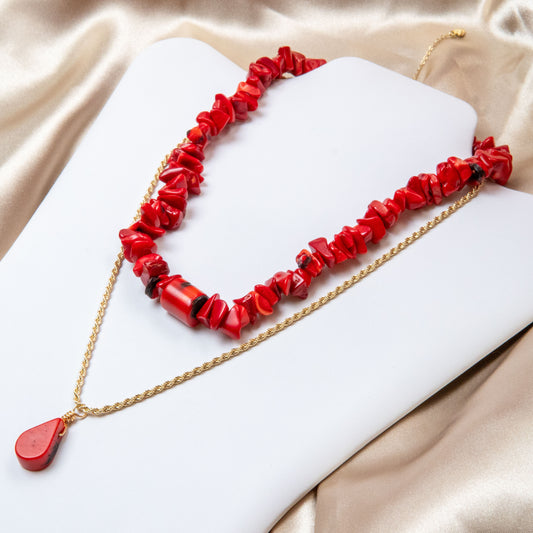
(302, 263)
(197, 304)
(477, 171)
(151, 285)
(185, 284)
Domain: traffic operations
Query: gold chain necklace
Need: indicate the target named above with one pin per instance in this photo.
(56, 428)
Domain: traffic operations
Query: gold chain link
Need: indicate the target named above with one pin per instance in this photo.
(454, 34)
(81, 410)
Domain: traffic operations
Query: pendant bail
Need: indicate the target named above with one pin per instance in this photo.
(79, 412)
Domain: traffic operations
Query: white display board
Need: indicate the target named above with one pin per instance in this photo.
(230, 451)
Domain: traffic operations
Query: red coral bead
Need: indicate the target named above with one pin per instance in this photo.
(192, 179)
(218, 313)
(136, 244)
(500, 163)
(205, 311)
(280, 63)
(299, 62)
(286, 54)
(344, 242)
(462, 168)
(174, 197)
(380, 209)
(310, 263)
(267, 293)
(256, 82)
(262, 72)
(173, 216)
(400, 199)
(37, 447)
(393, 207)
(248, 89)
(358, 237)
(234, 321)
(186, 160)
(283, 281)
(424, 186)
(434, 186)
(339, 255)
(179, 183)
(149, 266)
(213, 312)
(270, 65)
(249, 303)
(240, 107)
(220, 118)
(152, 231)
(413, 199)
(273, 286)
(197, 135)
(298, 285)
(376, 225)
(262, 305)
(192, 149)
(223, 103)
(170, 173)
(312, 64)
(251, 102)
(320, 246)
(449, 178)
(182, 300)
(204, 118)
(483, 145)
(149, 214)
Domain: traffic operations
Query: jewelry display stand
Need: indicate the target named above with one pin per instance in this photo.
(232, 450)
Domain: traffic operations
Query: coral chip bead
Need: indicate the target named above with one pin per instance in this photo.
(248, 302)
(240, 107)
(213, 312)
(449, 178)
(499, 162)
(235, 320)
(298, 61)
(298, 285)
(150, 266)
(182, 300)
(256, 82)
(152, 231)
(320, 247)
(197, 136)
(136, 244)
(220, 118)
(376, 225)
(223, 103)
(267, 293)
(283, 281)
(262, 305)
(270, 65)
(250, 90)
(286, 54)
(262, 72)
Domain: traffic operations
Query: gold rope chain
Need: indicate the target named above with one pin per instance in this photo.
(81, 410)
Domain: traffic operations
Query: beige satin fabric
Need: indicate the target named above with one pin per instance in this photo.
(462, 461)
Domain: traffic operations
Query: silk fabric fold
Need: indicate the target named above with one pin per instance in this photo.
(462, 460)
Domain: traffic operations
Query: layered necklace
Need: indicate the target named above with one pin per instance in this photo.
(180, 173)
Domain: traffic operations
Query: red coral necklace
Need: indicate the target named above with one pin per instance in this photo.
(181, 173)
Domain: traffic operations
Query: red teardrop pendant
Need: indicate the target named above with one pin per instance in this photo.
(36, 447)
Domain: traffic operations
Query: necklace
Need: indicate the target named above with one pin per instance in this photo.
(36, 447)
